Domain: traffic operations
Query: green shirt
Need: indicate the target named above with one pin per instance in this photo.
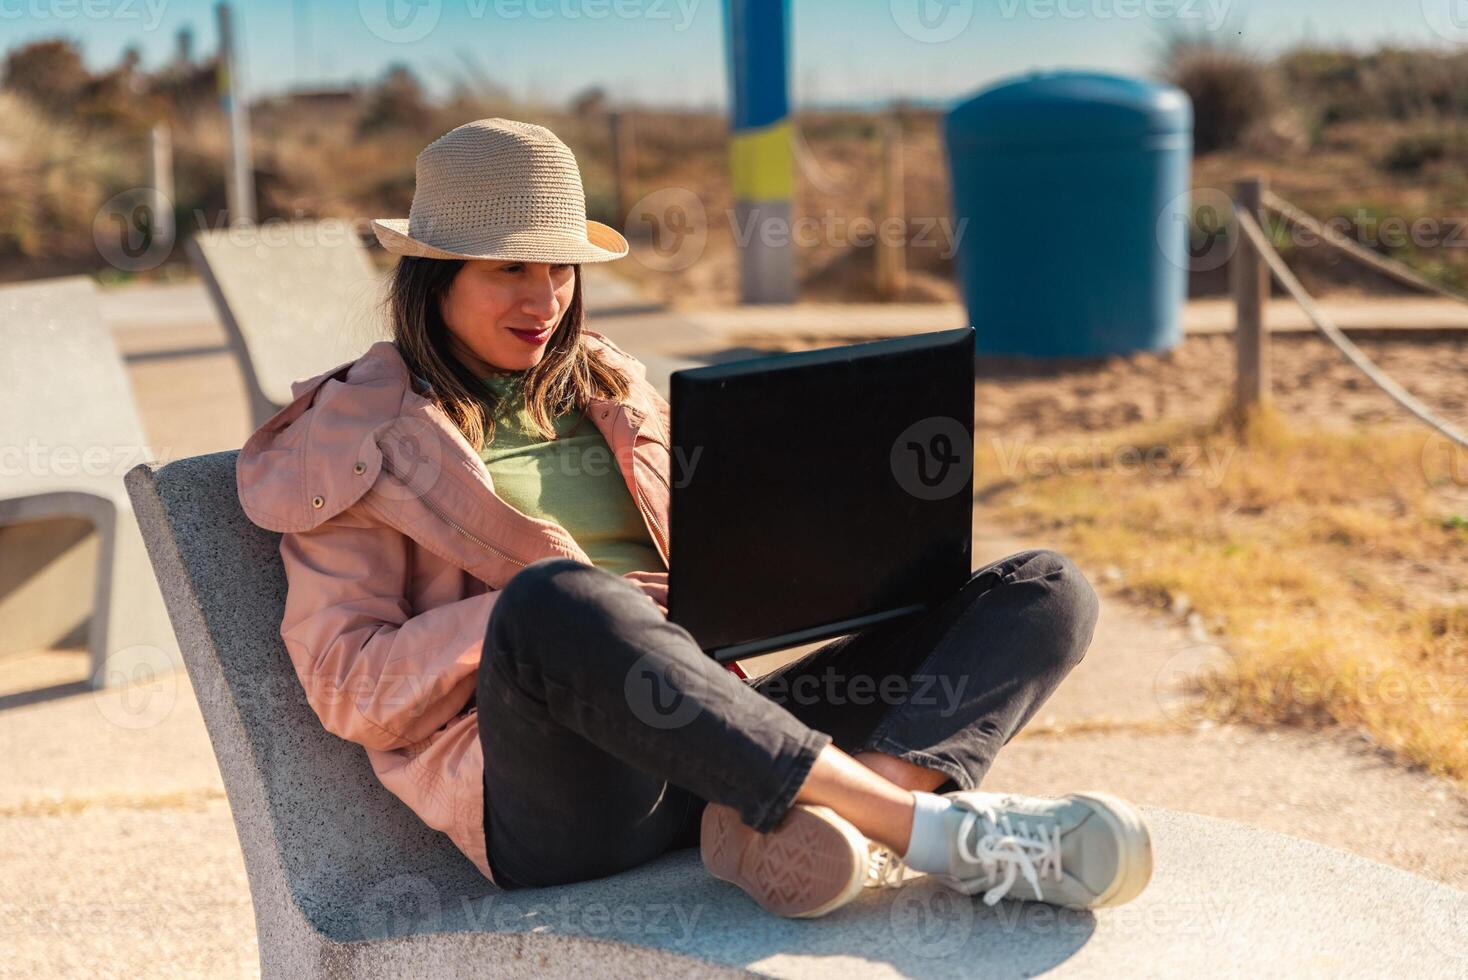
(572, 480)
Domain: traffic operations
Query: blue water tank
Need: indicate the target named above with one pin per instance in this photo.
(1070, 194)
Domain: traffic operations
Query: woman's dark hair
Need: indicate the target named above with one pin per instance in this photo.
(565, 379)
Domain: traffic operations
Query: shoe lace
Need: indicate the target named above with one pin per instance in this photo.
(884, 868)
(1008, 847)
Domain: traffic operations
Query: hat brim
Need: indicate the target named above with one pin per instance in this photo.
(601, 244)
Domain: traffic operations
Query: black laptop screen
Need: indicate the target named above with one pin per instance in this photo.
(817, 491)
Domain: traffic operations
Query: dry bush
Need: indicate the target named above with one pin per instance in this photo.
(1233, 94)
(54, 177)
(1392, 83)
(48, 73)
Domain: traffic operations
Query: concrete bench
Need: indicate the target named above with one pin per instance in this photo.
(295, 299)
(70, 431)
(347, 882)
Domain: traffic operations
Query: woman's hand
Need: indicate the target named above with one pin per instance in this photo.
(655, 584)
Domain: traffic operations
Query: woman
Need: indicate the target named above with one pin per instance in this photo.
(474, 524)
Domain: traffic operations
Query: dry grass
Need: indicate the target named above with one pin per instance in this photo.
(1333, 563)
(53, 178)
(66, 806)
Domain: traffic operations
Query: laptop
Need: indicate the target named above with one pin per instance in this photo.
(818, 492)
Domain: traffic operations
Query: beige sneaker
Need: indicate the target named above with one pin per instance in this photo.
(1085, 850)
(885, 869)
(812, 863)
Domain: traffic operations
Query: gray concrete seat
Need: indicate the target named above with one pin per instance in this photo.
(295, 299)
(346, 882)
(70, 431)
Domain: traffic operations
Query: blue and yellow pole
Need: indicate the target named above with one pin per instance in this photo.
(761, 159)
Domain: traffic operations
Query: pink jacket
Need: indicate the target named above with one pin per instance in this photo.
(395, 546)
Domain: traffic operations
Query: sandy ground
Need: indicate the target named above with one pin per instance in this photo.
(117, 850)
(1311, 381)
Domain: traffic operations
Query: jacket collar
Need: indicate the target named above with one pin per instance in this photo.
(360, 431)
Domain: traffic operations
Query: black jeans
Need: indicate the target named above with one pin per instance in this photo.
(606, 729)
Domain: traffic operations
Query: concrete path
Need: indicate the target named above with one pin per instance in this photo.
(743, 325)
(119, 854)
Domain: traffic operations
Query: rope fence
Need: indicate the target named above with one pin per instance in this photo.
(1388, 267)
(1261, 249)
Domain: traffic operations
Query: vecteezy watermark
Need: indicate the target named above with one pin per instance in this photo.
(933, 458)
(932, 921)
(674, 222)
(663, 693)
(1445, 467)
(1195, 230)
(1211, 14)
(409, 904)
(666, 924)
(936, 21)
(858, 231)
(136, 687)
(932, 21)
(1183, 681)
(385, 694)
(400, 21)
(1294, 690)
(1447, 18)
(1393, 231)
(411, 456)
(134, 230)
(43, 459)
(299, 231)
(1206, 916)
(679, 13)
(1206, 464)
(402, 905)
(406, 21)
(149, 12)
(599, 460)
(838, 687)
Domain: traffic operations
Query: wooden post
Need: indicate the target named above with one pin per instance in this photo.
(624, 163)
(239, 175)
(891, 252)
(1249, 276)
(160, 179)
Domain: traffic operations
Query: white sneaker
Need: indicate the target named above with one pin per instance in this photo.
(1085, 850)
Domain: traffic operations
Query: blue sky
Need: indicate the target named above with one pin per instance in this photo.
(671, 51)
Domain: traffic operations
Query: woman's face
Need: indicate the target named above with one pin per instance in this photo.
(500, 315)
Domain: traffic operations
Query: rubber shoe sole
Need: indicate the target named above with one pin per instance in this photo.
(1134, 848)
(812, 863)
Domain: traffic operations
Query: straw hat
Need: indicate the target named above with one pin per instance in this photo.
(499, 189)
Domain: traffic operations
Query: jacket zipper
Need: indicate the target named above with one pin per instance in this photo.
(436, 512)
(657, 528)
(652, 517)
